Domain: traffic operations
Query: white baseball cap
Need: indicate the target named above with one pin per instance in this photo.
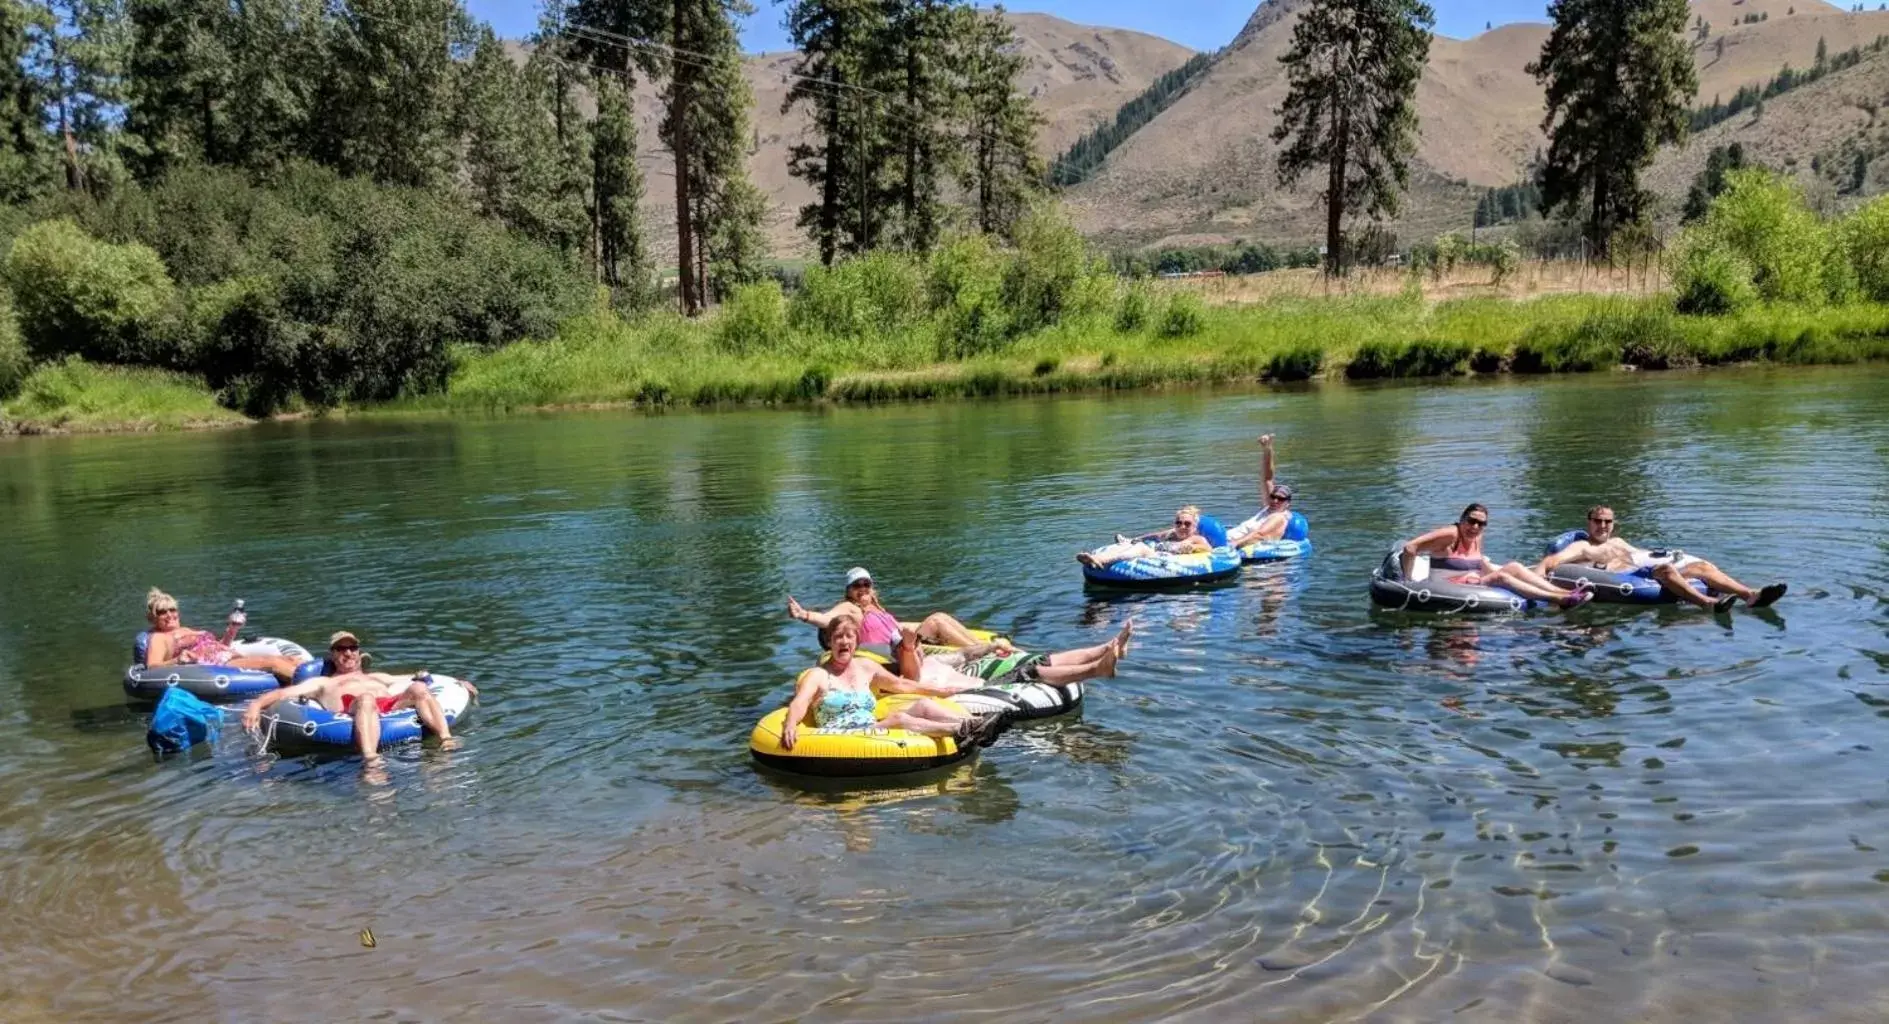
(857, 573)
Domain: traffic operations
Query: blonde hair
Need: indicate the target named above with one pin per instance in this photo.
(156, 598)
(1189, 510)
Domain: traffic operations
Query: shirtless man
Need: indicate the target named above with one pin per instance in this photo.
(367, 695)
(999, 664)
(1672, 569)
(1276, 504)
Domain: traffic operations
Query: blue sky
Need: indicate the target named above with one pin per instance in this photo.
(1201, 24)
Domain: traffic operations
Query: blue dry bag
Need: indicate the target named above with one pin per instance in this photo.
(181, 721)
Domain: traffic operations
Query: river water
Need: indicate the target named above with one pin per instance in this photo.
(1287, 807)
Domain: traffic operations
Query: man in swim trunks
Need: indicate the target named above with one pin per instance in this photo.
(998, 664)
(1275, 513)
(1672, 569)
(365, 695)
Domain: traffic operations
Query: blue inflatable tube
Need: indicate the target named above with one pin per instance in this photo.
(218, 684)
(1166, 572)
(1296, 542)
(1636, 587)
(308, 724)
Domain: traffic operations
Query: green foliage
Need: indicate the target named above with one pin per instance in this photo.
(877, 294)
(1710, 279)
(966, 290)
(1184, 316)
(1364, 58)
(1711, 180)
(71, 394)
(1000, 173)
(1750, 97)
(1050, 273)
(1134, 308)
(1865, 236)
(80, 296)
(14, 361)
(1087, 154)
(1762, 219)
(1618, 78)
(754, 319)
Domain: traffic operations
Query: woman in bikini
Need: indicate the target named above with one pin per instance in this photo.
(877, 626)
(1457, 549)
(173, 643)
(839, 696)
(1183, 539)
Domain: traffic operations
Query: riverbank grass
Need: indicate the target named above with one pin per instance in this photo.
(72, 396)
(600, 360)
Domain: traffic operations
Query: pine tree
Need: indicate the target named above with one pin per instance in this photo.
(178, 77)
(1618, 80)
(842, 159)
(1353, 68)
(913, 57)
(394, 72)
(27, 163)
(78, 49)
(1002, 169)
(616, 193)
(282, 88)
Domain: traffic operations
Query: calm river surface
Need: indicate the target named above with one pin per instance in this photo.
(1287, 807)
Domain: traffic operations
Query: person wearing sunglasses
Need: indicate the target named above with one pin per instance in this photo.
(349, 689)
(878, 627)
(1276, 498)
(1673, 570)
(1457, 548)
(173, 643)
(1185, 538)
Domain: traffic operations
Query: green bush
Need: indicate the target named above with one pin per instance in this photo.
(965, 279)
(80, 296)
(1133, 309)
(875, 294)
(1184, 316)
(14, 362)
(1709, 279)
(1301, 362)
(1865, 235)
(754, 319)
(1051, 277)
(1762, 218)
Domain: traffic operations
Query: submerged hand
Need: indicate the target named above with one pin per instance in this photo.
(789, 734)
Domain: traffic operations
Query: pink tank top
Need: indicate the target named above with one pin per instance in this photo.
(878, 627)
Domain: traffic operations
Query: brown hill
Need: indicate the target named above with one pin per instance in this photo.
(1079, 75)
(1203, 169)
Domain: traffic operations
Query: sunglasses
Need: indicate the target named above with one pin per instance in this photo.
(1282, 497)
(1183, 522)
(1477, 522)
(345, 648)
(861, 585)
(165, 611)
(1602, 522)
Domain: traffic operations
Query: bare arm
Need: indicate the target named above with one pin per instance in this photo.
(1414, 547)
(1574, 552)
(252, 715)
(1265, 469)
(806, 691)
(821, 620)
(886, 682)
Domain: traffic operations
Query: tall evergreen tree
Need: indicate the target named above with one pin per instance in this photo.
(1353, 68)
(1000, 123)
(617, 192)
(394, 66)
(728, 244)
(77, 51)
(178, 78)
(912, 59)
(27, 162)
(1619, 79)
(282, 89)
(837, 40)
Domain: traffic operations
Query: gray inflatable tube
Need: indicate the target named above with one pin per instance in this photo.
(1435, 593)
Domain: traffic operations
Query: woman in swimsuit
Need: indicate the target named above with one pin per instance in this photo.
(1458, 548)
(876, 625)
(173, 643)
(1183, 539)
(839, 695)
(999, 664)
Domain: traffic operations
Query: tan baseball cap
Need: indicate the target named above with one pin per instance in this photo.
(340, 636)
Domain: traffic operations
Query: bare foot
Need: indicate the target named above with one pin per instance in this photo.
(1120, 643)
(449, 743)
(1106, 664)
(1087, 559)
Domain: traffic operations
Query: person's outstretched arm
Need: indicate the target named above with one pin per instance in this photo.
(1265, 470)
(1415, 546)
(252, 715)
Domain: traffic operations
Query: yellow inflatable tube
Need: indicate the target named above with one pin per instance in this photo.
(855, 753)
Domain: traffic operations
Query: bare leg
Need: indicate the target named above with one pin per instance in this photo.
(944, 629)
(1674, 583)
(1516, 577)
(1114, 553)
(421, 700)
(1718, 580)
(1080, 655)
(367, 729)
(1062, 675)
(280, 667)
(922, 726)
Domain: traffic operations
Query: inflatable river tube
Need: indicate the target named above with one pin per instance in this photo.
(1435, 593)
(304, 723)
(218, 684)
(882, 653)
(1636, 587)
(1021, 701)
(1166, 572)
(856, 753)
(1296, 542)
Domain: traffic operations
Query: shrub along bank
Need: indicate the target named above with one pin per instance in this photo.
(1761, 279)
